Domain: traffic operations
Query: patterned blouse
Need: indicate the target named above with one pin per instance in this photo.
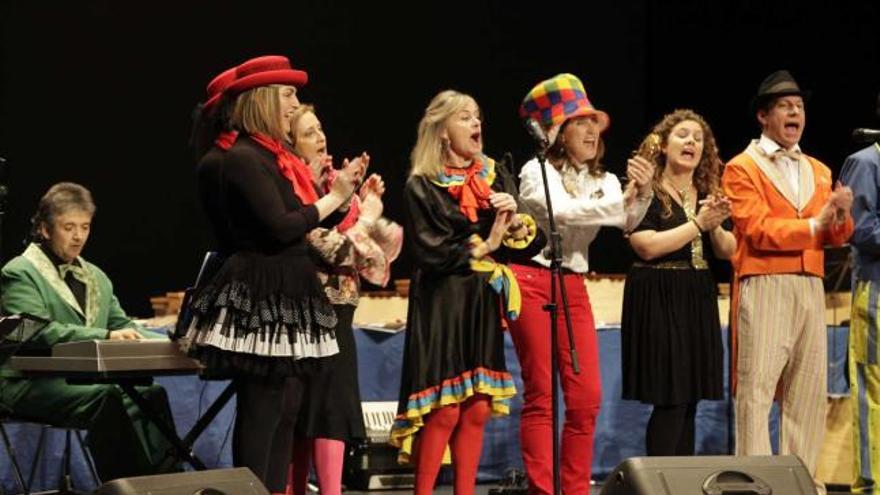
(363, 250)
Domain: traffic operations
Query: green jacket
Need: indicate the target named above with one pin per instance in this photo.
(30, 283)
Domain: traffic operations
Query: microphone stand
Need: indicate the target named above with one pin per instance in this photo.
(552, 309)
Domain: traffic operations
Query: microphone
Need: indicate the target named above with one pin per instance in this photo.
(864, 135)
(537, 133)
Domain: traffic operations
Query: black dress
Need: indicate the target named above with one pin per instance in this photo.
(265, 309)
(332, 399)
(454, 335)
(671, 349)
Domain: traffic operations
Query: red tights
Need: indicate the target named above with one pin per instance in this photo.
(461, 427)
(328, 455)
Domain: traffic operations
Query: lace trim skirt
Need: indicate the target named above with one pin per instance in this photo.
(238, 327)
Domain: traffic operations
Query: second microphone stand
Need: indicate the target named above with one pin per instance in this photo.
(552, 308)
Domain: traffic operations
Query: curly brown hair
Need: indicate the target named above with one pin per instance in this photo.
(707, 176)
(558, 157)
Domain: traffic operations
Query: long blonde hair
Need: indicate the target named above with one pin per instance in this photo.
(707, 176)
(258, 111)
(429, 153)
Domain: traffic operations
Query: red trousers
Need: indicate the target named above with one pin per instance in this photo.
(582, 393)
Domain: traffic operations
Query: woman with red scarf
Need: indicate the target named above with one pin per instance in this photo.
(461, 227)
(263, 317)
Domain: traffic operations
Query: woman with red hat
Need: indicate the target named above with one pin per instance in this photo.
(461, 227)
(263, 317)
(671, 350)
(362, 245)
(585, 198)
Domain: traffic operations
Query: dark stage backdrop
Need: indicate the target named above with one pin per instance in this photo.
(101, 93)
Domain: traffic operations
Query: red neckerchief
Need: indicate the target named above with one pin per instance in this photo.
(474, 193)
(291, 167)
(354, 208)
(226, 139)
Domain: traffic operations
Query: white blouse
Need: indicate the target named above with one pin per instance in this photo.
(598, 202)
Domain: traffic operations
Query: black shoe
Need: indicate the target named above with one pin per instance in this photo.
(513, 483)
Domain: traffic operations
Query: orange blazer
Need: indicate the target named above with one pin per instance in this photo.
(771, 225)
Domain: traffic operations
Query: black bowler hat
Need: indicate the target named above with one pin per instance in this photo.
(777, 84)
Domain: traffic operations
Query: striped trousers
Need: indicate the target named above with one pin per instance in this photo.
(782, 339)
(864, 379)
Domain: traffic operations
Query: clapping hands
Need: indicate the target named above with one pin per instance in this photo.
(371, 197)
(835, 209)
(713, 211)
(640, 173)
(350, 175)
(373, 185)
(321, 167)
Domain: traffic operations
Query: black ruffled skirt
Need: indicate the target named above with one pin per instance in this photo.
(261, 315)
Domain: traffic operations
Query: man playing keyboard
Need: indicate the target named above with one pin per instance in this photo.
(50, 280)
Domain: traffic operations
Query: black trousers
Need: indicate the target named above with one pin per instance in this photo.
(121, 439)
(671, 430)
(265, 417)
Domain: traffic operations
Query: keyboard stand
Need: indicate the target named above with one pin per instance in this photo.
(128, 381)
(182, 449)
(203, 422)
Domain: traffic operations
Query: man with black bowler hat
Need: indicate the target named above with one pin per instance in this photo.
(784, 211)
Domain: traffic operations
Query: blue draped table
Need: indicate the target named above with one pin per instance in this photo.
(619, 432)
(620, 428)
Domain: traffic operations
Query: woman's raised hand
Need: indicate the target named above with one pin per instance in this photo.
(503, 220)
(640, 172)
(348, 177)
(373, 185)
(713, 211)
(502, 202)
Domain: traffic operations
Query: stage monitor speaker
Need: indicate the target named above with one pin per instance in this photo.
(710, 475)
(237, 481)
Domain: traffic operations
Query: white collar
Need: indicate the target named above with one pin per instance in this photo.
(770, 146)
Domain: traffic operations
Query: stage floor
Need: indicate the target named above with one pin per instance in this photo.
(446, 489)
(484, 490)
